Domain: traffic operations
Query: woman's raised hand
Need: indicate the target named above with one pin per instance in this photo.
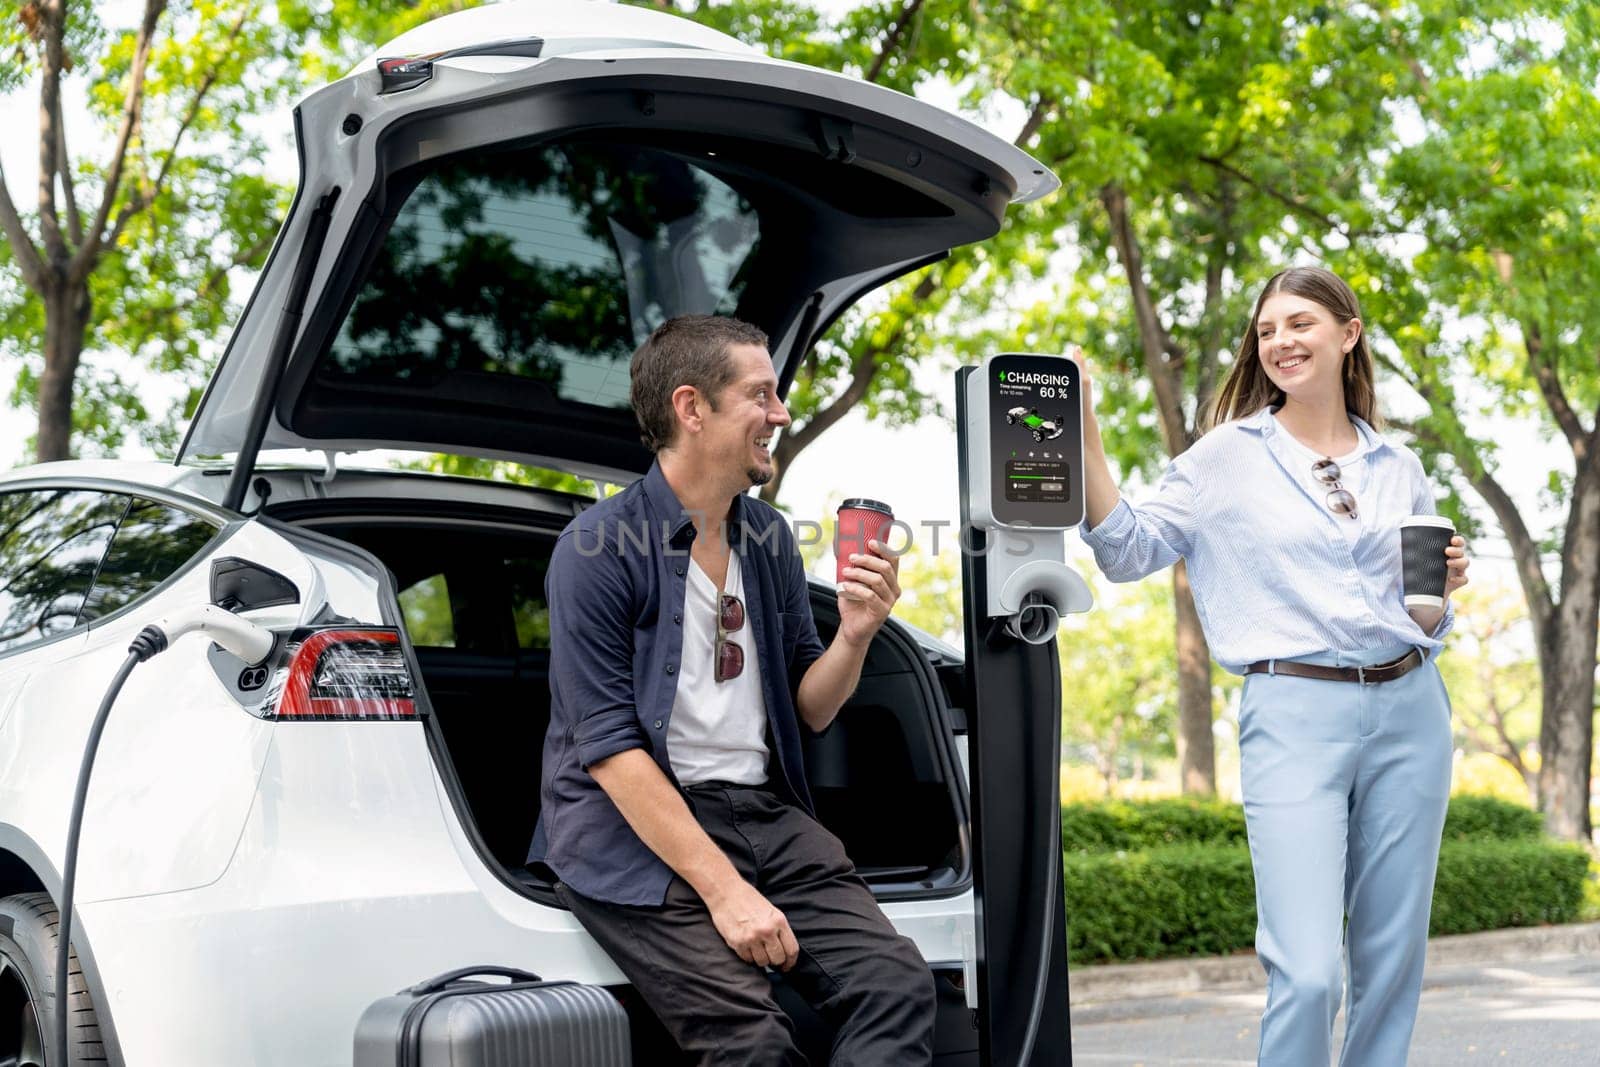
(1099, 490)
(1091, 425)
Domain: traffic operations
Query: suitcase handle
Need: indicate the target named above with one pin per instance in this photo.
(434, 985)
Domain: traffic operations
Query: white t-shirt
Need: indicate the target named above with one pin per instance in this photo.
(718, 730)
(1352, 473)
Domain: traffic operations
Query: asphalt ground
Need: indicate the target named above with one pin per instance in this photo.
(1542, 1013)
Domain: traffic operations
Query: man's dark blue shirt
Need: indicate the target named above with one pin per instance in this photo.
(616, 588)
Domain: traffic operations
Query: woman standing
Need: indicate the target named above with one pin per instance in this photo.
(1287, 513)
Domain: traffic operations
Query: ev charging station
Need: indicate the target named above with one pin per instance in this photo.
(1020, 453)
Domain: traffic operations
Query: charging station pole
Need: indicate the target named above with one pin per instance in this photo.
(1015, 588)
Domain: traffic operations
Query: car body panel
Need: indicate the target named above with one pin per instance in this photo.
(325, 859)
(217, 843)
(349, 868)
(175, 770)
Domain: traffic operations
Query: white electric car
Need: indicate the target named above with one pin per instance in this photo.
(478, 243)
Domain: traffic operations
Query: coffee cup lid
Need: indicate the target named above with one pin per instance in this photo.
(1428, 520)
(869, 505)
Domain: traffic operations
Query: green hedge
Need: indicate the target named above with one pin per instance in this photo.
(1183, 901)
(1135, 825)
(1190, 900)
(1486, 885)
(1132, 825)
(1159, 878)
(1470, 818)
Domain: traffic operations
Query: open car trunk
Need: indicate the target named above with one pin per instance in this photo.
(470, 584)
(481, 256)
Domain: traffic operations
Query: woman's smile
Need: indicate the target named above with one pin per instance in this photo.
(1288, 363)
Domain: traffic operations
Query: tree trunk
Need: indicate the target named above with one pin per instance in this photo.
(1197, 766)
(66, 316)
(1566, 729)
(1197, 761)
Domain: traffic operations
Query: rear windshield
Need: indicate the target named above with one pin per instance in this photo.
(552, 263)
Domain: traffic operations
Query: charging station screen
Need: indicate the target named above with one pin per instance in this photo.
(1036, 441)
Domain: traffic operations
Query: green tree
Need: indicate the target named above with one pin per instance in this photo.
(132, 250)
(1496, 312)
(1119, 691)
(1494, 687)
(1201, 147)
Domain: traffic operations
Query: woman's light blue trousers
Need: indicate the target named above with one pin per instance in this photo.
(1344, 789)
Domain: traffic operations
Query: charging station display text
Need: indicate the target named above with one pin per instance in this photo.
(1036, 440)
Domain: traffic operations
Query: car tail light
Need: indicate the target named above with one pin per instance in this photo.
(343, 675)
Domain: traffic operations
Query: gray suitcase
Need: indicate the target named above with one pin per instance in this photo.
(449, 1021)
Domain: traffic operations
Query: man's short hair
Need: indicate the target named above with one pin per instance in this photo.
(686, 350)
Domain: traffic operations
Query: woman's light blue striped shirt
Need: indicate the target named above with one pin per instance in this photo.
(1273, 575)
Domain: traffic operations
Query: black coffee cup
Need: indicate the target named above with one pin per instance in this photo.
(1423, 570)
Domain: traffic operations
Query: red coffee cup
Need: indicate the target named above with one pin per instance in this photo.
(860, 520)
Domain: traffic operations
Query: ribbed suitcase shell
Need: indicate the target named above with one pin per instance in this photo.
(447, 1023)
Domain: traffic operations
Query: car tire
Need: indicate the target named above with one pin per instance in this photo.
(28, 923)
(1037, 436)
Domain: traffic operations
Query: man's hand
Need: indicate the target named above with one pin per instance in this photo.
(869, 591)
(752, 927)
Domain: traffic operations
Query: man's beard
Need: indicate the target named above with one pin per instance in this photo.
(758, 476)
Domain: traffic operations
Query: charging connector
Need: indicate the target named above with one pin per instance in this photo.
(244, 639)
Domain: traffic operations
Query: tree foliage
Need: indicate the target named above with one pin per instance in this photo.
(1488, 299)
(1119, 689)
(1492, 675)
(135, 240)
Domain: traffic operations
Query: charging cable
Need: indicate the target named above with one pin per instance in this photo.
(244, 639)
(1047, 924)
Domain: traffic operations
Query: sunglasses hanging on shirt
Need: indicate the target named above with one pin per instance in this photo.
(729, 656)
(1340, 500)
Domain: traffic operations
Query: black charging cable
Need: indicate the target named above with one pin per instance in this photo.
(998, 634)
(1047, 924)
(150, 641)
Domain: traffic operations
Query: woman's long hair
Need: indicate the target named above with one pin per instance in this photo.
(1247, 388)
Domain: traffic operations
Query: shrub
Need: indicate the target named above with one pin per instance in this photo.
(1132, 825)
(1487, 885)
(1129, 825)
(1183, 901)
(1192, 900)
(1471, 817)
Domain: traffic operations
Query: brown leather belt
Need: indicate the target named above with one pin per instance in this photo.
(1378, 672)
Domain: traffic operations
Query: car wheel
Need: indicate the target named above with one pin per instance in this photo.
(28, 924)
(1037, 436)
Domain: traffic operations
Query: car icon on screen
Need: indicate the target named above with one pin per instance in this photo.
(1042, 429)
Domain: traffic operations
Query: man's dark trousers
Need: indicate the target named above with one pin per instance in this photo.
(866, 980)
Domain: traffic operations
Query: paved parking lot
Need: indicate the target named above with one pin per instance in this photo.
(1543, 1014)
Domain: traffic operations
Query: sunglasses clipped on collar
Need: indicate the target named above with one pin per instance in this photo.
(1340, 500)
(729, 656)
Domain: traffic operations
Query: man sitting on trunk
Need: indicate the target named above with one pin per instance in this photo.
(683, 658)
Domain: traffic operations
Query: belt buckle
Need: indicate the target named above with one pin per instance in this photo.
(1361, 676)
